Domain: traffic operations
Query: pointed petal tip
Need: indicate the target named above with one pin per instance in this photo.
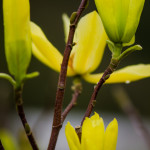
(94, 13)
(95, 116)
(113, 124)
(68, 124)
(64, 16)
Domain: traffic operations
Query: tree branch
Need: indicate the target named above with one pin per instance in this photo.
(1, 146)
(62, 79)
(77, 88)
(20, 110)
(110, 69)
(129, 109)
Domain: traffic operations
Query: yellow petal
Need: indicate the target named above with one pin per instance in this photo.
(124, 75)
(72, 138)
(130, 43)
(17, 37)
(66, 23)
(38, 54)
(111, 135)
(45, 51)
(92, 133)
(134, 14)
(120, 18)
(91, 41)
(106, 9)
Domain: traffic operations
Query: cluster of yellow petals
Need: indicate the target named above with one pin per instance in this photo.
(86, 56)
(94, 136)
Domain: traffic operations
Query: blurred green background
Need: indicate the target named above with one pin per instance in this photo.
(40, 92)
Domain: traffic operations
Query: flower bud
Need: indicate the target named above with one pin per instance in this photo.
(17, 36)
(120, 18)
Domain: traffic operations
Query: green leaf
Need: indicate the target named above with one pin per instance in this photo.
(32, 75)
(9, 78)
(129, 51)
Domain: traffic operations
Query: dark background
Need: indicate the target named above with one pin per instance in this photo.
(40, 92)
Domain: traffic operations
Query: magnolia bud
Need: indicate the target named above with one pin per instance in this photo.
(120, 18)
(17, 36)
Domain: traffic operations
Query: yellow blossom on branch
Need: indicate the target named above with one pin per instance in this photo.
(120, 18)
(94, 136)
(90, 41)
(17, 37)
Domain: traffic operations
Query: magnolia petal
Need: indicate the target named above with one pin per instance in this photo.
(66, 23)
(72, 138)
(44, 51)
(107, 14)
(92, 133)
(111, 135)
(38, 54)
(130, 43)
(90, 43)
(121, 10)
(134, 14)
(120, 18)
(124, 75)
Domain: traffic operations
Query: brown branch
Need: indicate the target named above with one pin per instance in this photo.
(110, 69)
(62, 79)
(1, 146)
(71, 105)
(129, 109)
(77, 88)
(20, 110)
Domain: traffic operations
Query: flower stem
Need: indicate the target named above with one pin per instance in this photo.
(20, 110)
(110, 69)
(57, 124)
(1, 146)
(130, 110)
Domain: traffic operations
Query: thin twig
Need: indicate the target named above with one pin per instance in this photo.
(130, 110)
(70, 105)
(77, 88)
(110, 69)
(62, 80)
(20, 110)
(1, 146)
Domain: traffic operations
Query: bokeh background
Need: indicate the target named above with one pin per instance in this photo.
(39, 93)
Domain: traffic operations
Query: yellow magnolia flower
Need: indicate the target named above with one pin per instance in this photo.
(90, 39)
(120, 18)
(94, 136)
(17, 36)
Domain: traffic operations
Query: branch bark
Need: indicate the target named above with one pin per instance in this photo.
(62, 79)
(110, 69)
(77, 88)
(20, 110)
